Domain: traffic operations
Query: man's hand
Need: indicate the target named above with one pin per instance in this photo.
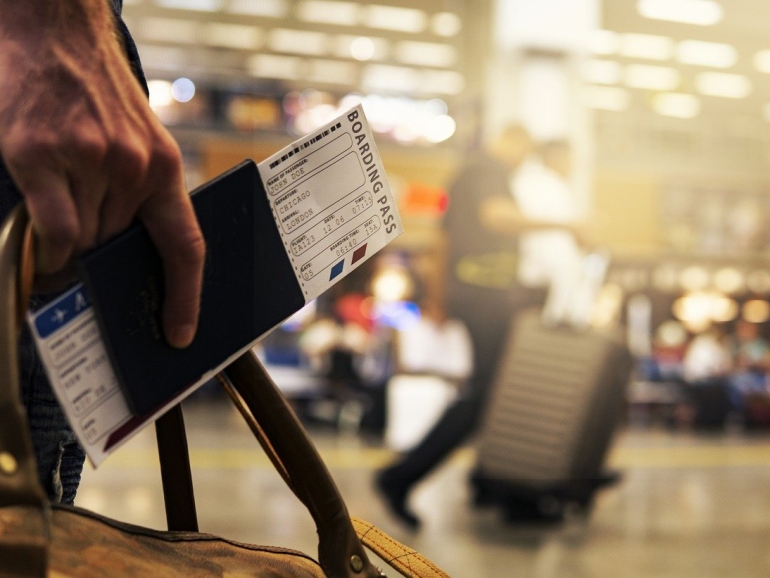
(87, 152)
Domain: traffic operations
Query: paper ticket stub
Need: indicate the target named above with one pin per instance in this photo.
(331, 201)
(70, 345)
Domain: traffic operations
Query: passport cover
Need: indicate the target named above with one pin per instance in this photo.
(248, 288)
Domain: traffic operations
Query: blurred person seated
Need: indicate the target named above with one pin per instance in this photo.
(346, 350)
(669, 345)
(659, 387)
(748, 381)
(433, 360)
(706, 368)
(435, 345)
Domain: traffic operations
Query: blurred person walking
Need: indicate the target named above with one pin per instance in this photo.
(481, 277)
(504, 193)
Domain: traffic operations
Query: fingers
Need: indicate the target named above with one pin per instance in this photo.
(63, 183)
(128, 163)
(169, 218)
(53, 214)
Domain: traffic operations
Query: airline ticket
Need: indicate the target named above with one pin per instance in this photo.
(331, 201)
(333, 208)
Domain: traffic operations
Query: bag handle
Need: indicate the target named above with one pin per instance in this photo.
(18, 470)
(19, 484)
(340, 552)
(285, 441)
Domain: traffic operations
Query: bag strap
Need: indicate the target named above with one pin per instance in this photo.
(18, 471)
(340, 552)
(285, 441)
(19, 485)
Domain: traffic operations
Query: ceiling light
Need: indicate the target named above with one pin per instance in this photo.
(395, 18)
(762, 61)
(265, 8)
(380, 77)
(160, 93)
(647, 46)
(602, 71)
(425, 53)
(676, 104)
(171, 30)
(723, 84)
(729, 280)
(298, 41)
(183, 90)
(436, 107)
(699, 12)
(362, 48)
(446, 24)
(652, 77)
(199, 5)
(756, 311)
(274, 66)
(694, 310)
(439, 128)
(237, 36)
(716, 54)
(723, 309)
(328, 12)
(610, 98)
(161, 57)
(332, 71)
(671, 333)
(604, 42)
(694, 278)
(392, 284)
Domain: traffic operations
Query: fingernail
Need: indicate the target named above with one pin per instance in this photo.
(182, 336)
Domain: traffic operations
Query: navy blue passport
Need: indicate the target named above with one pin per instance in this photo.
(249, 287)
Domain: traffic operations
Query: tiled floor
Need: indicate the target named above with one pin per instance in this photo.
(687, 505)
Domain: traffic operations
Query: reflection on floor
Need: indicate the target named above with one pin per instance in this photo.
(687, 505)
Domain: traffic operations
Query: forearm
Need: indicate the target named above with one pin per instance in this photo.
(33, 20)
(501, 215)
(46, 41)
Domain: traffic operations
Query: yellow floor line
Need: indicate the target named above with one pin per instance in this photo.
(702, 456)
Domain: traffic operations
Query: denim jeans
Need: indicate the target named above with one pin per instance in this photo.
(59, 456)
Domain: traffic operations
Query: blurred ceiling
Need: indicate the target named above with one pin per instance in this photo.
(387, 47)
(668, 95)
(728, 47)
(681, 96)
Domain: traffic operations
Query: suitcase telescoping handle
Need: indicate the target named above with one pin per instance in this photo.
(341, 539)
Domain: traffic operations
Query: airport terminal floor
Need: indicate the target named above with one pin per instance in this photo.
(687, 505)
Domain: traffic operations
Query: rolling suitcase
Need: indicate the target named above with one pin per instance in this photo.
(552, 411)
